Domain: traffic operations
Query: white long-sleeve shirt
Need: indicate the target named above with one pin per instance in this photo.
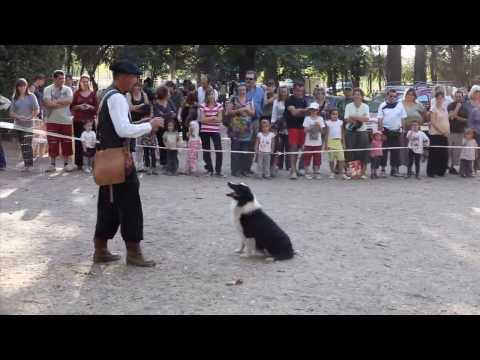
(277, 110)
(119, 112)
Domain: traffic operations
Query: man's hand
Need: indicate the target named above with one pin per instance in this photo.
(157, 123)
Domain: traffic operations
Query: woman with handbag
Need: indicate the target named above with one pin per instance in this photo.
(119, 203)
(240, 112)
(356, 135)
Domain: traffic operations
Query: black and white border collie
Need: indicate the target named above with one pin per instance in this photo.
(259, 234)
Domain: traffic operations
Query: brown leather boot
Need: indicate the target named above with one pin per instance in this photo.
(101, 254)
(135, 257)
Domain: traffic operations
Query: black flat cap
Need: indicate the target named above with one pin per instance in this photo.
(125, 67)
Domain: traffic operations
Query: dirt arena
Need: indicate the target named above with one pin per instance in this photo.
(388, 246)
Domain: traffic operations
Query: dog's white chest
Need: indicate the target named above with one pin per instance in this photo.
(237, 213)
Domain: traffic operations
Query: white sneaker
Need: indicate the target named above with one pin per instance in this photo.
(51, 168)
(293, 176)
(346, 177)
(87, 170)
(68, 168)
(318, 177)
(332, 176)
(301, 172)
(308, 176)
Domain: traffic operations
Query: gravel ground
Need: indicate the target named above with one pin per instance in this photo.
(389, 246)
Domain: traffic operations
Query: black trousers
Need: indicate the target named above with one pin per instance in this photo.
(375, 162)
(163, 152)
(239, 163)
(125, 211)
(149, 158)
(217, 144)
(438, 157)
(172, 161)
(25, 140)
(411, 158)
(283, 147)
(77, 132)
(393, 140)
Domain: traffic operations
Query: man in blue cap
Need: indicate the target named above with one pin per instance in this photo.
(120, 204)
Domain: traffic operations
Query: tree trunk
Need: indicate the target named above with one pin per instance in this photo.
(91, 73)
(394, 63)
(69, 58)
(206, 63)
(247, 62)
(433, 63)
(172, 66)
(82, 69)
(370, 82)
(271, 69)
(468, 63)
(420, 66)
(355, 71)
(458, 64)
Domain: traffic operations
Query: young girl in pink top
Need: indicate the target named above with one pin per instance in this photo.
(376, 154)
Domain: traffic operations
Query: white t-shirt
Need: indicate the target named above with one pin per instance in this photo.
(363, 110)
(466, 153)
(418, 141)
(195, 129)
(89, 139)
(334, 129)
(265, 142)
(201, 95)
(313, 139)
(61, 115)
(392, 118)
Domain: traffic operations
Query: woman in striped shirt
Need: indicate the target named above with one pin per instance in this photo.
(211, 114)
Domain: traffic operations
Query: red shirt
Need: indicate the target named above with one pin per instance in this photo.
(83, 115)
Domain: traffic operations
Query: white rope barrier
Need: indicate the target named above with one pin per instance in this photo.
(10, 126)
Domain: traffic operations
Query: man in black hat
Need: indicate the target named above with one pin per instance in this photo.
(120, 205)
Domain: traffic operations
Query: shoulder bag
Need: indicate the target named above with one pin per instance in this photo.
(111, 165)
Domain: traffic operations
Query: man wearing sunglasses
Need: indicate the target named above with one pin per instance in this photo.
(390, 116)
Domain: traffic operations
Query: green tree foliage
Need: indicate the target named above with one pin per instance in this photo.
(27, 61)
(332, 63)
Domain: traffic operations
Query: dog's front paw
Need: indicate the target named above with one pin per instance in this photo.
(239, 251)
(245, 255)
(269, 259)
